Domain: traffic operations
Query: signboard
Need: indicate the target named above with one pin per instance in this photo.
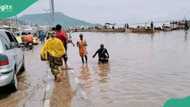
(9, 8)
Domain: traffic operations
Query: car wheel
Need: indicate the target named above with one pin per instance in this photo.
(22, 69)
(14, 84)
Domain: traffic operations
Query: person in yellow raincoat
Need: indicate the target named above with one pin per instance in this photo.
(53, 51)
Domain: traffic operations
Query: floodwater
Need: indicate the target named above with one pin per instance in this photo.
(144, 71)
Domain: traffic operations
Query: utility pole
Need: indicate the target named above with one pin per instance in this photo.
(52, 11)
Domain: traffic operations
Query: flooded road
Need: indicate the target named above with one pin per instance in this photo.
(31, 84)
(144, 71)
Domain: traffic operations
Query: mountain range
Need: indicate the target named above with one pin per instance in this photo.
(59, 18)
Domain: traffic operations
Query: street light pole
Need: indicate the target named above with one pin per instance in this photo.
(52, 11)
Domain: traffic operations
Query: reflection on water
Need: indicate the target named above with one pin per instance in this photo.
(84, 73)
(85, 78)
(103, 70)
(62, 93)
(152, 36)
(186, 35)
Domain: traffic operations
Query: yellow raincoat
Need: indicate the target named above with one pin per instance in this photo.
(54, 47)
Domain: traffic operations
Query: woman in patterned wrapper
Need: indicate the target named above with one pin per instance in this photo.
(53, 51)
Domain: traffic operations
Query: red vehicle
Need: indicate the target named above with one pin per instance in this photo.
(27, 40)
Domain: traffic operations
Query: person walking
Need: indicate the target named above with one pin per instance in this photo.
(53, 51)
(62, 35)
(49, 33)
(70, 39)
(103, 55)
(42, 36)
(82, 44)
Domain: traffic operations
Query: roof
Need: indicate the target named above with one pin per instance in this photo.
(3, 30)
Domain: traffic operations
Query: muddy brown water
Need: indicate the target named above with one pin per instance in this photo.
(144, 71)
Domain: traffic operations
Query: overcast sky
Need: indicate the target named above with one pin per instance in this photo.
(117, 11)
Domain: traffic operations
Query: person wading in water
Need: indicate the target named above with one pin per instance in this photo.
(103, 55)
(53, 51)
(62, 35)
(82, 44)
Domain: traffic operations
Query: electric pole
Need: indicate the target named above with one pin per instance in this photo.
(52, 11)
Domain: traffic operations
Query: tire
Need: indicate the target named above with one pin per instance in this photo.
(22, 69)
(13, 85)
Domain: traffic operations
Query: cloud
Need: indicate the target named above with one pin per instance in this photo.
(118, 10)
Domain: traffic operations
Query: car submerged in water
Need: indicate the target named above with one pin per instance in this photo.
(11, 60)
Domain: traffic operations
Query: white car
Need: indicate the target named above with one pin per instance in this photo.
(11, 60)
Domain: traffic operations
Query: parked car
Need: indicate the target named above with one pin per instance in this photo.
(11, 60)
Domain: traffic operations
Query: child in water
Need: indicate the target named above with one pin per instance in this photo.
(82, 44)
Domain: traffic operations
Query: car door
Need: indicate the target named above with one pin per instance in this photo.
(7, 49)
(19, 51)
(15, 48)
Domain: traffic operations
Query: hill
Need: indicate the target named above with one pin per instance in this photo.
(59, 18)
